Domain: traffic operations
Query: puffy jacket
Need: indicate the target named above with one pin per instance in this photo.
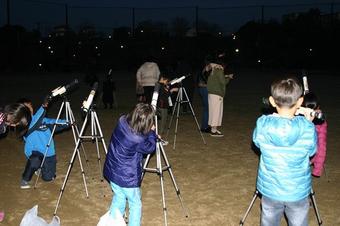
(148, 74)
(319, 159)
(123, 164)
(39, 138)
(286, 146)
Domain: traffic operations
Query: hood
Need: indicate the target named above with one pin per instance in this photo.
(283, 131)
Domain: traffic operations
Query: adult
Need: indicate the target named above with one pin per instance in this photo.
(147, 75)
(216, 84)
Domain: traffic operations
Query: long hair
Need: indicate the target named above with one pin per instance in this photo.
(141, 118)
(19, 115)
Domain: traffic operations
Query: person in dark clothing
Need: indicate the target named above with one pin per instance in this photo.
(109, 87)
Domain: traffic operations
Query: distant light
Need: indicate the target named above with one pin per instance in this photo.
(40, 41)
(237, 50)
(49, 47)
(163, 48)
(141, 31)
(39, 65)
(51, 51)
(310, 50)
(74, 55)
(234, 37)
(49, 36)
(129, 33)
(121, 46)
(110, 36)
(259, 61)
(79, 43)
(98, 54)
(96, 47)
(219, 33)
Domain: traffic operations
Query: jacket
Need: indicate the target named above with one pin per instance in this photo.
(217, 82)
(286, 146)
(148, 74)
(123, 164)
(319, 159)
(38, 139)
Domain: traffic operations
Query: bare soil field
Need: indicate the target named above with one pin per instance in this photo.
(216, 180)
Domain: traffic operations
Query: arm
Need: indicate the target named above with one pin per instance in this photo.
(148, 146)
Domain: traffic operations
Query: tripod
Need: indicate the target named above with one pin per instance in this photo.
(177, 106)
(159, 169)
(69, 118)
(257, 194)
(96, 135)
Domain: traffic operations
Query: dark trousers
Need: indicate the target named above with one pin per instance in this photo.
(148, 92)
(48, 170)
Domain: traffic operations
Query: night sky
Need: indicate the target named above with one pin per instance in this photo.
(105, 14)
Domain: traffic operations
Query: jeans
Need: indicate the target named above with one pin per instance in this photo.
(203, 91)
(48, 170)
(296, 212)
(133, 196)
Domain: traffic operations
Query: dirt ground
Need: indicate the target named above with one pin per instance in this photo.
(216, 180)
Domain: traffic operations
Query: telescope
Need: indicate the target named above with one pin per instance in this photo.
(63, 89)
(178, 80)
(87, 103)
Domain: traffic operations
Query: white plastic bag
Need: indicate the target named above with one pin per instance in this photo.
(31, 218)
(107, 220)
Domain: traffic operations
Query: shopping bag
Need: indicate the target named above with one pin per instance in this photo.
(31, 218)
(107, 220)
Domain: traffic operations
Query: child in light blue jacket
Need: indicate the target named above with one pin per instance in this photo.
(39, 143)
(286, 143)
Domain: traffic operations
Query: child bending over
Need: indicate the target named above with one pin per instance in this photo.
(133, 137)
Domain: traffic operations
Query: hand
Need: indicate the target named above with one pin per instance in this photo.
(231, 76)
(307, 112)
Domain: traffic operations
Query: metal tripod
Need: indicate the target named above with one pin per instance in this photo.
(96, 135)
(177, 106)
(257, 194)
(69, 118)
(159, 169)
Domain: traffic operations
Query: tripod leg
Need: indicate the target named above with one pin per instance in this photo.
(178, 192)
(315, 207)
(75, 152)
(95, 135)
(48, 144)
(172, 114)
(100, 132)
(160, 173)
(193, 114)
(256, 194)
(177, 116)
(76, 131)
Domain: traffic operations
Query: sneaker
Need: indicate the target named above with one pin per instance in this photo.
(25, 185)
(216, 134)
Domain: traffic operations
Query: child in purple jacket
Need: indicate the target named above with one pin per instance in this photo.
(133, 137)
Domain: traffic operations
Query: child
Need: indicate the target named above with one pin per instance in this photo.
(14, 115)
(37, 145)
(163, 101)
(318, 161)
(133, 137)
(286, 143)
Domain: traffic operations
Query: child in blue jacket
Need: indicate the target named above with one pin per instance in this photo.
(133, 137)
(286, 143)
(36, 139)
